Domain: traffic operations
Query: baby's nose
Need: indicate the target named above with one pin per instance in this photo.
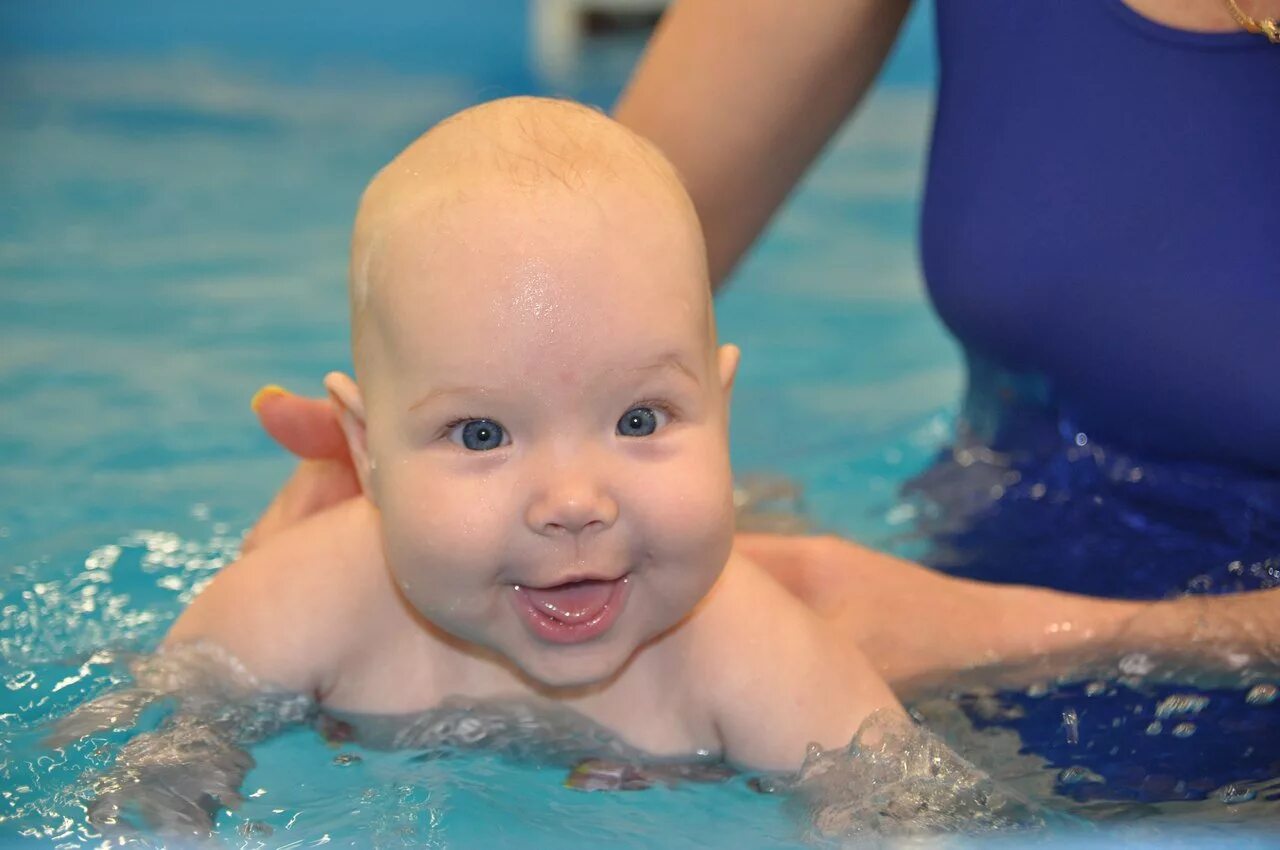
(573, 501)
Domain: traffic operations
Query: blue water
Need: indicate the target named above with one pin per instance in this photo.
(176, 187)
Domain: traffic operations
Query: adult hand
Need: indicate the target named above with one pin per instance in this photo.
(307, 427)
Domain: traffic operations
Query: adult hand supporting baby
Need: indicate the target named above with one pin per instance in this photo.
(307, 427)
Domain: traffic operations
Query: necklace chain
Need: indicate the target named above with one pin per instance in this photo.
(1269, 27)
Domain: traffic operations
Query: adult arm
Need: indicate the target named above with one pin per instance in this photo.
(924, 631)
(741, 95)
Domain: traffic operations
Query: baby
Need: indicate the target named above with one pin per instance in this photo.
(540, 428)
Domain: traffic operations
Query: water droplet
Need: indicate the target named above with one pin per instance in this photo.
(899, 514)
(1136, 664)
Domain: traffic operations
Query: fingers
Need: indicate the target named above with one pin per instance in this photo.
(308, 427)
(314, 486)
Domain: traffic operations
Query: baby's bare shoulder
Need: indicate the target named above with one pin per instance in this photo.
(778, 674)
(749, 619)
(293, 608)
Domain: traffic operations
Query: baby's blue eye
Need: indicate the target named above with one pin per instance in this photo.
(639, 422)
(478, 435)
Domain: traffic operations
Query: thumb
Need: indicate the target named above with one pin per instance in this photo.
(308, 427)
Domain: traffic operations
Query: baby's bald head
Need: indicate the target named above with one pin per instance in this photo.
(499, 166)
(539, 388)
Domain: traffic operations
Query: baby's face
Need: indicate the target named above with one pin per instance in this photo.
(547, 424)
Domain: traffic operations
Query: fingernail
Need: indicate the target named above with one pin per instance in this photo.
(265, 393)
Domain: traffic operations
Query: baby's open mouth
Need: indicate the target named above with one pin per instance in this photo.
(573, 611)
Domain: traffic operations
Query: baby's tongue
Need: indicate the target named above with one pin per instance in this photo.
(573, 602)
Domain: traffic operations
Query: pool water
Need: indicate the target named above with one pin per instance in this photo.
(173, 234)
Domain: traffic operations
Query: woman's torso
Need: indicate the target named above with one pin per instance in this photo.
(1103, 206)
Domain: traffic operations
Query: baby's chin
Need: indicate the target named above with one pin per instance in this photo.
(571, 668)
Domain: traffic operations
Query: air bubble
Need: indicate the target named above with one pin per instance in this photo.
(1200, 584)
(1233, 794)
(1184, 730)
(1263, 694)
(1071, 725)
(1181, 704)
(1077, 774)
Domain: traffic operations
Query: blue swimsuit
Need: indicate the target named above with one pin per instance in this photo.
(1103, 208)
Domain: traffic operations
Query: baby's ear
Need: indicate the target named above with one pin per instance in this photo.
(727, 359)
(350, 403)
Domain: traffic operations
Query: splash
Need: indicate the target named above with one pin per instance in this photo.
(174, 780)
(898, 779)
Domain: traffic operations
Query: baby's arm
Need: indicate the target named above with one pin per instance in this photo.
(245, 661)
(295, 607)
(781, 677)
(923, 630)
(174, 779)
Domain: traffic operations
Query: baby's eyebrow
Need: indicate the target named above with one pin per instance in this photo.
(440, 392)
(670, 360)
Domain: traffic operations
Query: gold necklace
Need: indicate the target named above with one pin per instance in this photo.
(1269, 27)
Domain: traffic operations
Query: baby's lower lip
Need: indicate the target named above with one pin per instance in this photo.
(575, 624)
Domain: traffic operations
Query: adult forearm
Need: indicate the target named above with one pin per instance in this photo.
(741, 95)
(1012, 636)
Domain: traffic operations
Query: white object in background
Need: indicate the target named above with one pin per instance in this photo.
(557, 28)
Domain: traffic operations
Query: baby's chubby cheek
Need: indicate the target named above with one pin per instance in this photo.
(443, 538)
(688, 519)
